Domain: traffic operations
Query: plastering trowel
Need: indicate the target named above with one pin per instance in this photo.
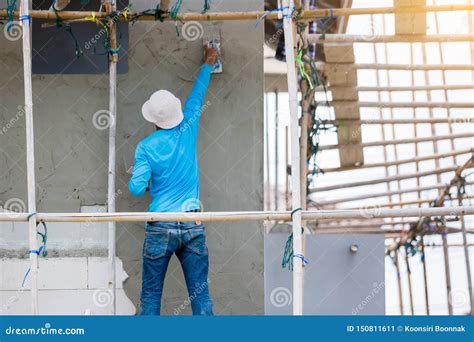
(213, 39)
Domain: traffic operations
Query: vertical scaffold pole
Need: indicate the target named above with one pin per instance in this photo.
(298, 274)
(110, 7)
(30, 153)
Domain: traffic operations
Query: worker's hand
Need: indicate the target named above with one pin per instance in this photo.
(210, 55)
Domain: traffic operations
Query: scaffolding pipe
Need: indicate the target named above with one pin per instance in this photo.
(355, 104)
(383, 194)
(399, 283)
(110, 7)
(253, 15)
(417, 152)
(30, 154)
(384, 180)
(425, 277)
(298, 275)
(465, 246)
(287, 161)
(404, 141)
(404, 88)
(267, 155)
(410, 288)
(405, 203)
(447, 270)
(276, 149)
(404, 67)
(237, 216)
(437, 164)
(453, 120)
(401, 161)
(346, 38)
(355, 226)
(165, 5)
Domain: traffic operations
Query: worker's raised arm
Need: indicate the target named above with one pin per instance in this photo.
(141, 173)
(193, 106)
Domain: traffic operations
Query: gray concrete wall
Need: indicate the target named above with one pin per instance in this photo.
(71, 153)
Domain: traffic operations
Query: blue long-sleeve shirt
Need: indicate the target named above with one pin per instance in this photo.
(166, 160)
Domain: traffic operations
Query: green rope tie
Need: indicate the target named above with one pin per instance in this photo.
(175, 9)
(207, 6)
(159, 14)
(299, 61)
(44, 237)
(67, 27)
(287, 261)
(11, 7)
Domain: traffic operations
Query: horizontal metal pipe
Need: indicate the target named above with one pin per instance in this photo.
(401, 161)
(383, 180)
(254, 15)
(382, 194)
(361, 104)
(235, 216)
(369, 230)
(450, 245)
(415, 88)
(408, 67)
(346, 38)
(403, 141)
(342, 224)
(405, 203)
(452, 121)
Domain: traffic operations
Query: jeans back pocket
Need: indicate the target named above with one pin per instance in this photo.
(197, 240)
(156, 244)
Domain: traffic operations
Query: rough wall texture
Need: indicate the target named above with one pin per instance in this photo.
(71, 153)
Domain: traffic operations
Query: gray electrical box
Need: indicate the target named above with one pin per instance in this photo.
(345, 275)
(55, 47)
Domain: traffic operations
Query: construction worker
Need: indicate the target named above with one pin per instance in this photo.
(166, 164)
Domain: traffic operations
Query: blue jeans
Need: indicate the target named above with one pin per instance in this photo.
(188, 241)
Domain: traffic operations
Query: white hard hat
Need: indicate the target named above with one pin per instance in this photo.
(163, 109)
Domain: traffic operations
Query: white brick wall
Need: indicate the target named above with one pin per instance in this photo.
(67, 286)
